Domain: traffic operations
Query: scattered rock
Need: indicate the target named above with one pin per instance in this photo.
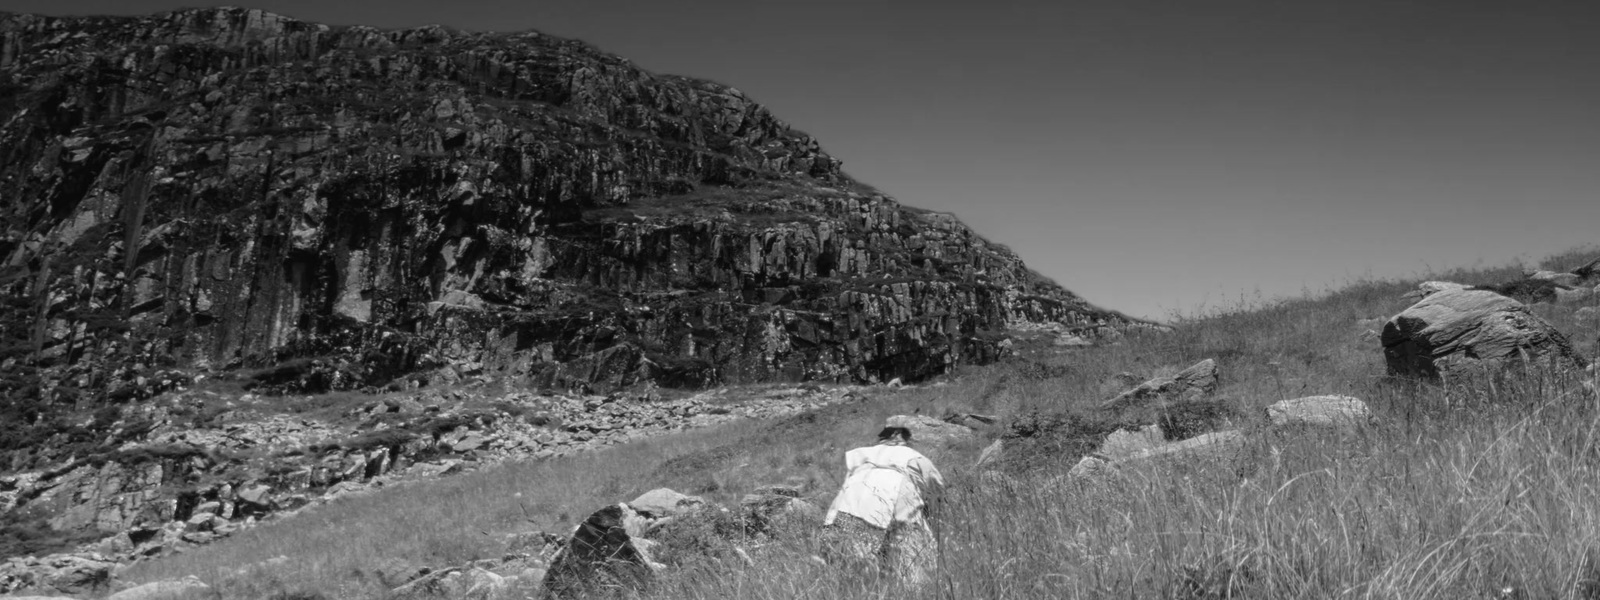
(1461, 329)
(1320, 411)
(60, 573)
(661, 503)
(971, 419)
(457, 583)
(1123, 443)
(1225, 447)
(1193, 383)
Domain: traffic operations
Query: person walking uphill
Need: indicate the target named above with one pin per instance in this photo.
(880, 512)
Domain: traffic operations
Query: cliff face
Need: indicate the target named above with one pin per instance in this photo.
(228, 188)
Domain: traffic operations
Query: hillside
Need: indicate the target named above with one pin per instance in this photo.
(304, 312)
(1464, 490)
(225, 189)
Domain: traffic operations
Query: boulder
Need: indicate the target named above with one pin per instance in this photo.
(1123, 443)
(603, 552)
(1220, 449)
(1225, 447)
(162, 590)
(1320, 411)
(661, 503)
(256, 495)
(1193, 383)
(1461, 329)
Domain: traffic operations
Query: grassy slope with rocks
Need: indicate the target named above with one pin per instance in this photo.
(1481, 491)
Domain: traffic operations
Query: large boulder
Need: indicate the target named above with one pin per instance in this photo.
(1457, 330)
(1193, 383)
(605, 551)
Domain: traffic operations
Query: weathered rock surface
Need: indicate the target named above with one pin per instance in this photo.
(1339, 412)
(1458, 330)
(1195, 382)
(344, 206)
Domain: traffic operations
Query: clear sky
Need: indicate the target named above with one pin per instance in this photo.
(1155, 157)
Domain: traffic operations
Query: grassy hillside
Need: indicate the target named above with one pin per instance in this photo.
(1462, 491)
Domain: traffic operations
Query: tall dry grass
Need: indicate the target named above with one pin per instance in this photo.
(1471, 489)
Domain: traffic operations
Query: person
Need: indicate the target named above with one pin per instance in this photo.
(880, 514)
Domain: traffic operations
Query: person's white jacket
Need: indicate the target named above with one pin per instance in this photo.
(885, 485)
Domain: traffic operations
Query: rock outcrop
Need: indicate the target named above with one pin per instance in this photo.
(1468, 329)
(338, 207)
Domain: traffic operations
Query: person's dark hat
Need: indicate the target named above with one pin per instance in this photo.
(896, 425)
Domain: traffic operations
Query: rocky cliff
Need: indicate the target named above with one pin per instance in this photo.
(337, 207)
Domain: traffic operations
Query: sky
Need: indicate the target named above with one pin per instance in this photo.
(1163, 159)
